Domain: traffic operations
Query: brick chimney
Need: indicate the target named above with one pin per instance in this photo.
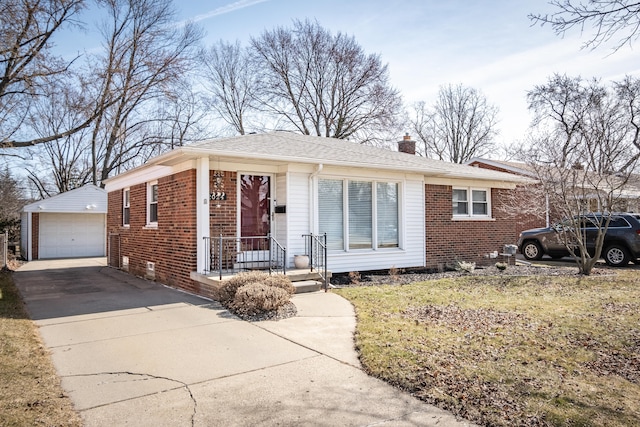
(407, 145)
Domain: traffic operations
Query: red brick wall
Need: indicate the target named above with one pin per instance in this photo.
(464, 240)
(172, 246)
(35, 235)
(528, 205)
(223, 214)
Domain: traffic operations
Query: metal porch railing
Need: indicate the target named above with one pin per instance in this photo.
(230, 255)
(315, 245)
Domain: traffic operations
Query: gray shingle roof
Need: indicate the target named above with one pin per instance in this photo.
(291, 147)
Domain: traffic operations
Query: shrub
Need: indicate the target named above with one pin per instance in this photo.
(227, 292)
(501, 266)
(257, 298)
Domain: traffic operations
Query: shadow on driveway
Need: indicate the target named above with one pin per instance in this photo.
(61, 288)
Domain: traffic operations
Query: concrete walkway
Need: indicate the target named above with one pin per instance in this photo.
(132, 352)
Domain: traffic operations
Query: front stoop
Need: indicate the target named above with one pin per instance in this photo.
(307, 286)
(304, 280)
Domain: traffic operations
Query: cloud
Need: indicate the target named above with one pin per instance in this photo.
(232, 7)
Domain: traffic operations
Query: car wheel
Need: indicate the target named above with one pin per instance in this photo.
(532, 250)
(616, 256)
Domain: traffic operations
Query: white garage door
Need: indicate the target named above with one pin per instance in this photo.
(64, 235)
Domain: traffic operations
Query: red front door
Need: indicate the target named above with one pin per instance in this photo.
(255, 205)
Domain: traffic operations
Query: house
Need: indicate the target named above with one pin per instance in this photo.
(68, 225)
(628, 198)
(171, 217)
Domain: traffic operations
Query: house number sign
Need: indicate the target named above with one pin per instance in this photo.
(218, 195)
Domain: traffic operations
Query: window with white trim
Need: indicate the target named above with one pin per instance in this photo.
(359, 214)
(152, 203)
(126, 206)
(471, 203)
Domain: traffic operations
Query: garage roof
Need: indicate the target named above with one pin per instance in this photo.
(86, 199)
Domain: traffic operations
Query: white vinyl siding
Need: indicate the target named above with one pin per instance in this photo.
(298, 213)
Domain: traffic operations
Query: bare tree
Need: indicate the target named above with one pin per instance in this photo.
(27, 66)
(323, 84)
(460, 125)
(583, 156)
(611, 20)
(146, 54)
(11, 202)
(62, 164)
(231, 82)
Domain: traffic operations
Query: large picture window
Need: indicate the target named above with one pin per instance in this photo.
(470, 202)
(358, 214)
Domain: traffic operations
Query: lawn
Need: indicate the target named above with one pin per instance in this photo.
(509, 350)
(30, 392)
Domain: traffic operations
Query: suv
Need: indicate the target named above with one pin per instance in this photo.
(621, 240)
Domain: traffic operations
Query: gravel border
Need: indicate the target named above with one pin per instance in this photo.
(411, 276)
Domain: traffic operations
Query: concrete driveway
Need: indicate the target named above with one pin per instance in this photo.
(132, 352)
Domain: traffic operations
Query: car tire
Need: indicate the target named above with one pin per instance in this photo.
(616, 256)
(532, 250)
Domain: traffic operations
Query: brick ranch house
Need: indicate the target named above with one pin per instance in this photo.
(379, 208)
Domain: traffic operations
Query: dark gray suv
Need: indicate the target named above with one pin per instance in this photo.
(621, 241)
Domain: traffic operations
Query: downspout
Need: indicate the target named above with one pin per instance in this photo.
(312, 199)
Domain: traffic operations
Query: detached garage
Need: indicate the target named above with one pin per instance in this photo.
(69, 225)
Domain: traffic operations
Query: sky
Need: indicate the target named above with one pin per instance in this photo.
(490, 45)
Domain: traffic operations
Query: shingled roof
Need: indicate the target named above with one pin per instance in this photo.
(287, 147)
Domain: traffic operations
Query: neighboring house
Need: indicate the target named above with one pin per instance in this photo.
(68, 225)
(379, 208)
(629, 200)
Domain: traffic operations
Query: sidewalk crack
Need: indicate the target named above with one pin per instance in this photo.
(146, 378)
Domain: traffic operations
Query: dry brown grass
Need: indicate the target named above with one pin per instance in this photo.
(30, 392)
(502, 351)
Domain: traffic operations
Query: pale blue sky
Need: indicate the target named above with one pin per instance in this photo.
(487, 44)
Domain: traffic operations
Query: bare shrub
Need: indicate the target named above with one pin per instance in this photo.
(256, 298)
(228, 291)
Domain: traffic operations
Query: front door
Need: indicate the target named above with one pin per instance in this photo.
(255, 205)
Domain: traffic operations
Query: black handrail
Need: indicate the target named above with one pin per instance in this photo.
(315, 245)
(230, 255)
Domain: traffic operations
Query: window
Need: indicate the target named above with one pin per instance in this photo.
(358, 214)
(152, 203)
(475, 206)
(126, 206)
(330, 201)
(387, 210)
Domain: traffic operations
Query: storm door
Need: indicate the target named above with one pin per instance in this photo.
(255, 219)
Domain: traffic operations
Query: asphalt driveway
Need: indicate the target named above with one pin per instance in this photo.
(132, 352)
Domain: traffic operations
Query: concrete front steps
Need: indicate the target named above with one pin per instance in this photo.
(304, 280)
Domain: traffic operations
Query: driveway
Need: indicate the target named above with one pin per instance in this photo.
(132, 352)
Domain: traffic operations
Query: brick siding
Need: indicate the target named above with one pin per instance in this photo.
(464, 240)
(172, 246)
